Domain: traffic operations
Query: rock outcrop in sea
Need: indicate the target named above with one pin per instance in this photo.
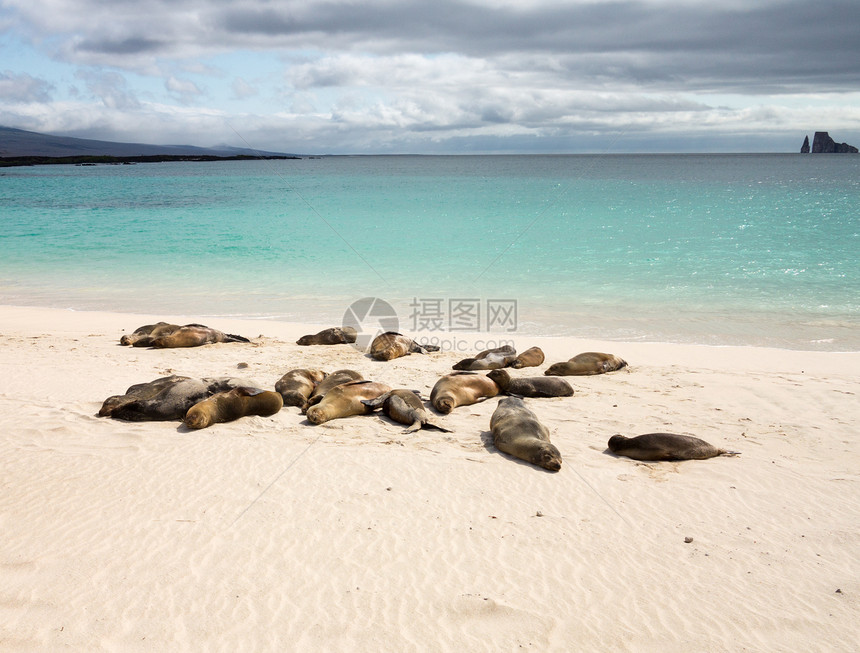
(823, 144)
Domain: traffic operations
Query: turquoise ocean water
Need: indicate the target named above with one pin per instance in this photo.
(714, 249)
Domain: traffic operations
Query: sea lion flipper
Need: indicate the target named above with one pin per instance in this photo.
(248, 392)
(416, 426)
(436, 427)
(373, 404)
(730, 453)
(231, 337)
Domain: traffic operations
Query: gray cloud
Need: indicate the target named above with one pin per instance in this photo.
(24, 88)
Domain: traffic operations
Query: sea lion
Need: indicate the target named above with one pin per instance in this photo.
(194, 335)
(534, 386)
(390, 345)
(345, 400)
(406, 407)
(590, 362)
(331, 381)
(531, 357)
(296, 386)
(517, 431)
(166, 398)
(461, 389)
(231, 405)
(490, 359)
(143, 336)
(332, 336)
(665, 446)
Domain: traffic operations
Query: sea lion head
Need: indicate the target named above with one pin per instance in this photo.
(548, 457)
(501, 379)
(444, 404)
(306, 340)
(616, 442)
(197, 418)
(556, 369)
(317, 414)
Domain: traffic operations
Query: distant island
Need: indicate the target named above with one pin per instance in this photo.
(19, 147)
(823, 144)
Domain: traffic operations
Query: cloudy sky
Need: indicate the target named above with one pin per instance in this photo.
(435, 76)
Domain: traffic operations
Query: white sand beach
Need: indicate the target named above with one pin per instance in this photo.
(271, 534)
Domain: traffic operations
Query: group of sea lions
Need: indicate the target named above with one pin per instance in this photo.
(516, 430)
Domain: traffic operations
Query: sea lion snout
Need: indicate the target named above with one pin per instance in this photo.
(316, 415)
(549, 458)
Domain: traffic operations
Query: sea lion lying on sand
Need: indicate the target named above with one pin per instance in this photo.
(406, 407)
(534, 386)
(665, 446)
(164, 335)
(331, 381)
(531, 357)
(590, 362)
(332, 336)
(231, 405)
(166, 398)
(345, 400)
(461, 389)
(490, 359)
(517, 431)
(296, 386)
(390, 345)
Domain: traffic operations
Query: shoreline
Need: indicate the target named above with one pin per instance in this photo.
(269, 533)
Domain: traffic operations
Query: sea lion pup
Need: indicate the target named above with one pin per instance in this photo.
(461, 389)
(345, 400)
(406, 407)
(590, 362)
(166, 398)
(332, 336)
(296, 386)
(531, 357)
(194, 335)
(534, 386)
(665, 446)
(331, 381)
(517, 431)
(390, 345)
(143, 336)
(231, 405)
(490, 359)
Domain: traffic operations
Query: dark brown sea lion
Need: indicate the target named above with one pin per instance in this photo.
(331, 381)
(531, 357)
(461, 389)
(231, 405)
(296, 386)
(490, 359)
(390, 345)
(665, 446)
(406, 407)
(332, 336)
(345, 400)
(194, 335)
(517, 431)
(534, 386)
(166, 398)
(590, 362)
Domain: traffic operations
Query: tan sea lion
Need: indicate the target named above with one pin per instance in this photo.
(390, 345)
(166, 398)
(231, 405)
(590, 362)
(406, 407)
(517, 431)
(296, 386)
(333, 380)
(531, 357)
(665, 446)
(194, 335)
(332, 336)
(461, 389)
(345, 400)
(534, 386)
(490, 359)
